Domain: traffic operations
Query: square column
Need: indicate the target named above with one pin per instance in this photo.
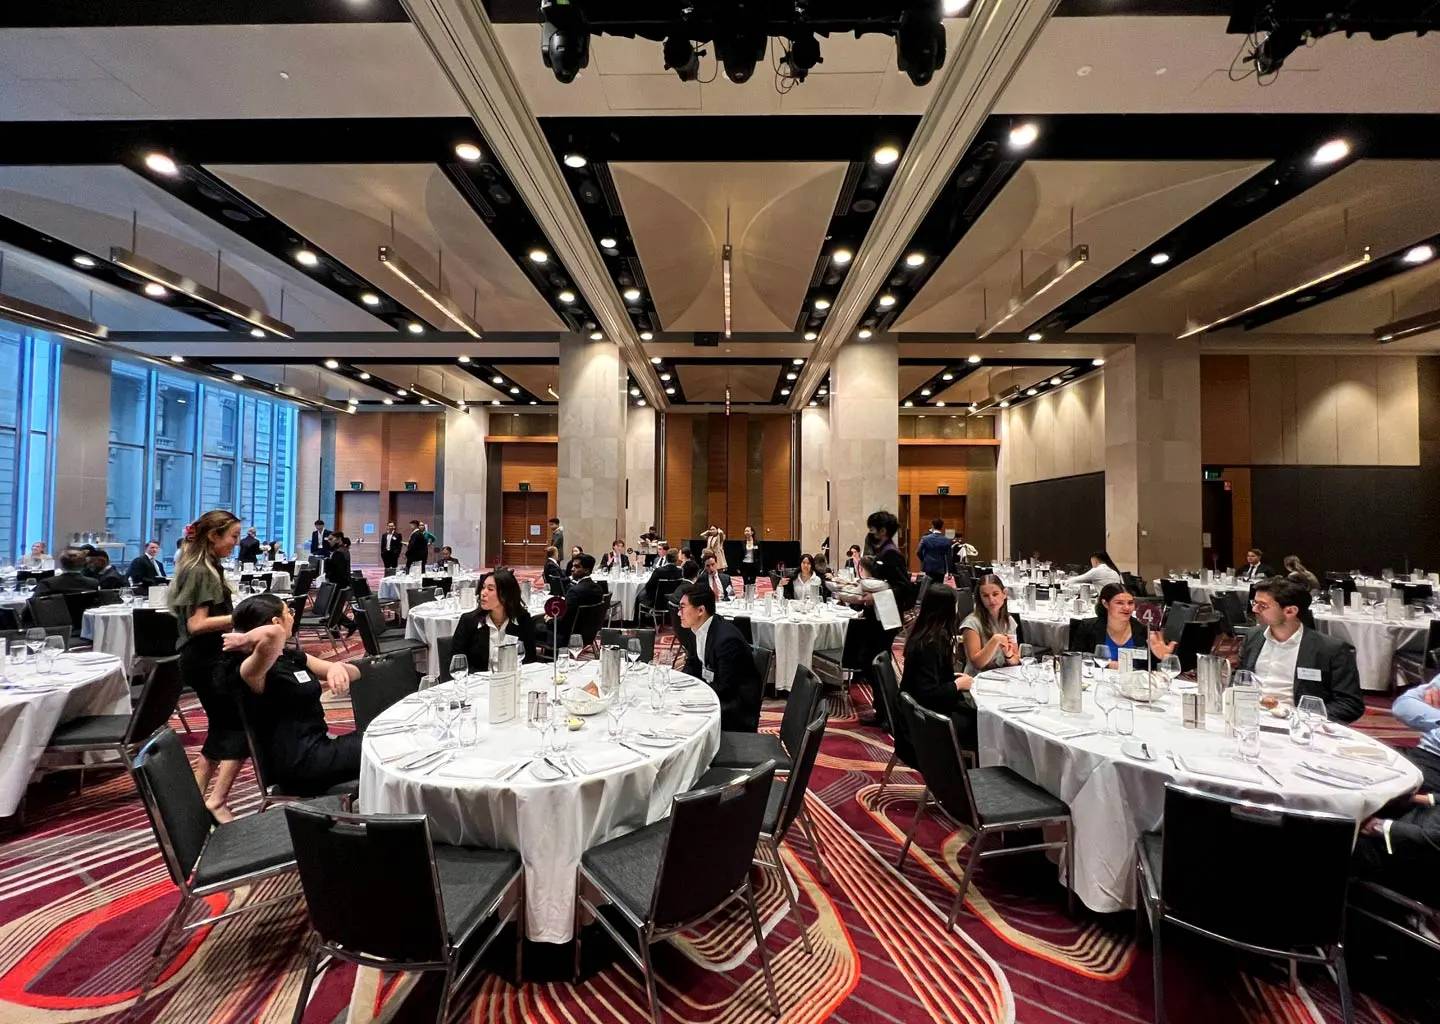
(591, 457)
(815, 488)
(640, 464)
(864, 437)
(463, 478)
(1152, 456)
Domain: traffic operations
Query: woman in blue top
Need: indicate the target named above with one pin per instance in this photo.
(1116, 627)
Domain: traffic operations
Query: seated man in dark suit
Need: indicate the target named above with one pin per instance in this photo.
(713, 580)
(1255, 567)
(723, 659)
(1292, 661)
(1401, 850)
(98, 568)
(552, 573)
(582, 589)
(615, 558)
(147, 570)
(669, 569)
(70, 577)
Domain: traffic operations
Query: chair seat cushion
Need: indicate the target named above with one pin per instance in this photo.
(1003, 797)
(470, 881)
(244, 846)
(834, 654)
(628, 867)
(398, 645)
(745, 750)
(90, 731)
(1152, 845)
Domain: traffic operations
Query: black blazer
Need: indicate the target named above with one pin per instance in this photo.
(416, 546)
(390, 546)
(472, 640)
(663, 571)
(1339, 682)
(1262, 572)
(249, 549)
(583, 591)
(607, 560)
(317, 543)
(552, 571)
(111, 579)
(1090, 634)
(727, 590)
(66, 583)
(733, 676)
(337, 567)
(143, 570)
(929, 677)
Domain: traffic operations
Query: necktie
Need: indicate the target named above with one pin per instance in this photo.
(715, 585)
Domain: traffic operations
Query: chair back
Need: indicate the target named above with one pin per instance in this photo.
(1196, 638)
(1072, 635)
(359, 585)
(776, 579)
(621, 638)
(1134, 584)
(1342, 580)
(1205, 832)
(368, 634)
(1176, 616)
(259, 749)
(1227, 605)
(109, 596)
(49, 610)
(937, 749)
(438, 583)
(1414, 593)
(297, 608)
(78, 603)
(423, 595)
(444, 646)
(288, 568)
(857, 645)
(370, 883)
(710, 846)
(383, 681)
(158, 698)
(964, 602)
(746, 628)
(792, 801)
(762, 657)
(883, 672)
(588, 620)
(324, 599)
(157, 632)
(925, 582)
(337, 608)
(664, 590)
(806, 692)
(300, 586)
(1175, 590)
(9, 619)
(370, 605)
(174, 803)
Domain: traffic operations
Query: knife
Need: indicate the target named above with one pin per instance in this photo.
(1268, 774)
(1336, 773)
(556, 767)
(516, 770)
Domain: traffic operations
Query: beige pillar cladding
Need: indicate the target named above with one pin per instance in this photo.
(1152, 456)
(814, 478)
(465, 475)
(864, 432)
(591, 458)
(640, 466)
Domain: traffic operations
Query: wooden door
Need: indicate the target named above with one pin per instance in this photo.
(521, 512)
(949, 507)
(353, 510)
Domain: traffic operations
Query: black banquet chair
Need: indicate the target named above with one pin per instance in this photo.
(987, 801)
(122, 734)
(381, 894)
(679, 871)
(615, 637)
(1302, 921)
(384, 681)
(788, 806)
(746, 750)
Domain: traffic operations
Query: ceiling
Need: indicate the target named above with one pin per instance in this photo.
(331, 129)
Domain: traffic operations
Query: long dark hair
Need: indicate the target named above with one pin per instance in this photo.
(1107, 593)
(507, 589)
(257, 610)
(991, 624)
(935, 622)
(1105, 559)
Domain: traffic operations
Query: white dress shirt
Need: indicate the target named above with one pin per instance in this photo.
(496, 635)
(1275, 666)
(1098, 576)
(700, 635)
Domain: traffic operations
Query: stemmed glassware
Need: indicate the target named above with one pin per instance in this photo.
(1106, 699)
(632, 652)
(54, 647)
(35, 639)
(1101, 657)
(460, 673)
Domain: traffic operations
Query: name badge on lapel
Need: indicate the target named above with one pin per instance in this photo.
(1308, 675)
(302, 676)
(707, 674)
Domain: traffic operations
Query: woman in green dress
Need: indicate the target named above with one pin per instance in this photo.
(201, 599)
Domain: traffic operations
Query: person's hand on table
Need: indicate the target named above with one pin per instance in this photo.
(964, 682)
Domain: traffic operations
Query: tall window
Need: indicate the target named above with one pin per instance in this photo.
(29, 383)
(180, 446)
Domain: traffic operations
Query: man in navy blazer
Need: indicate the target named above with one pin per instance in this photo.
(723, 659)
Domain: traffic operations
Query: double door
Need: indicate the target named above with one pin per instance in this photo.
(524, 532)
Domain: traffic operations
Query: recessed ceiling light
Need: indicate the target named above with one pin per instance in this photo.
(947, 376)
(256, 332)
(1035, 336)
(797, 362)
(646, 336)
(597, 336)
(388, 401)
(823, 391)
(784, 391)
(608, 243)
(813, 403)
(669, 391)
(909, 405)
(497, 380)
(401, 392)
(566, 296)
(237, 377)
(635, 392)
(885, 155)
(353, 400)
(1419, 254)
(925, 392)
(1032, 391)
(640, 402)
(822, 303)
(915, 259)
(1005, 404)
(842, 256)
(370, 298)
(1330, 152)
(83, 261)
(810, 335)
(468, 151)
(886, 301)
(863, 333)
(939, 405)
(632, 294)
(462, 359)
(1022, 135)
(576, 160)
(655, 360)
(155, 291)
(161, 164)
(331, 364)
(1159, 259)
(534, 402)
(416, 328)
(664, 376)
(514, 391)
(790, 376)
(177, 359)
(973, 359)
(1083, 71)
(1161, 71)
(1054, 382)
(539, 256)
(306, 258)
(953, 7)
(1097, 362)
(494, 401)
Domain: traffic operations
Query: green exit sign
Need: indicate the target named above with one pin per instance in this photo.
(943, 489)
(524, 486)
(410, 485)
(357, 485)
(1214, 474)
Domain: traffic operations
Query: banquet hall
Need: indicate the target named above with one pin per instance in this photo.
(666, 510)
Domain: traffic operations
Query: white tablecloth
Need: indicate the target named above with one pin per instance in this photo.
(110, 629)
(794, 637)
(550, 823)
(87, 684)
(1048, 625)
(1113, 798)
(1201, 593)
(1385, 650)
(397, 588)
(626, 588)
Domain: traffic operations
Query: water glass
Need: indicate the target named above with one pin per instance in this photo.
(1125, 718)
(1040, 685)
(1247, 742)
(618, 707)
(1302, 728)
(657, 693)
(632, 651)
(17, 652)
(1107, 700)
(560, 724)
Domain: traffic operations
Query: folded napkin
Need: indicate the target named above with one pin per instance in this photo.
(1221, 767)
(1055, 727)
(88, 657)
(474, 768)
(598, 760)
(1353, 772)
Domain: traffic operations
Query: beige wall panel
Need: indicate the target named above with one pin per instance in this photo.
(1357, 427)
(1267, 388)
(1316, 426)
(1397, 406)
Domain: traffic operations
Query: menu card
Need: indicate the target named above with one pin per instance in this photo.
(504, 697)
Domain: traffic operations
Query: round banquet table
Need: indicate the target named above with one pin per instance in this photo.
(32, 705)
(1386, 650)
(626, 588)
(794, 636)
(110, 628)
(1048, 625)
(1113, 798)
(615, 789)
(435, 619)
(398, 587)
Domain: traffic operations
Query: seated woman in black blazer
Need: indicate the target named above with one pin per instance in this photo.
(1115, 626)
(281, 692)
(929, 672)
(500, 614)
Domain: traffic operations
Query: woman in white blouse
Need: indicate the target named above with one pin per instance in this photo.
(1102, 572)
(989, 633)
(750, 561)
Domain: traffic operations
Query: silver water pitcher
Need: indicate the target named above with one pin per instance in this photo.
(1030, 595)
(1072, 665)
(611, 660)
(525, 592)
(1212, 672)
(507, 658)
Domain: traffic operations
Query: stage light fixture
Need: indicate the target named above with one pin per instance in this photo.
(564, 39)
(682, 58)
(803, 55)
(739, 53)
(920, 44)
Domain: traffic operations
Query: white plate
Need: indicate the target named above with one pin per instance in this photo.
(1133, 748)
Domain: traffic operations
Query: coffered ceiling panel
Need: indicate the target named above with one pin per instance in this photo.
(536, 379)
(347, 210)
(707, 384)
(1409, 294)
(992, 380)
(778, 215)
(1118, 208)
(1383, 204)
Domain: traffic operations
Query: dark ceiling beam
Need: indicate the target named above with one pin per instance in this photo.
(90, 14)
(522, 12)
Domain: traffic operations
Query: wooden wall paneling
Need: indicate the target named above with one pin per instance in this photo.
(755, 477)
(699, 479)
(1225, 410)
(359, 450)
(532, 462)
(1317, 429)
(775, 500)
(411, 452)
(679, 462)
(717, 475)
(980, 499)
(737, 453)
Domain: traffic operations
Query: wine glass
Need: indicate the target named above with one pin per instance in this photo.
(460, 673)
(35, 639)
(573, 646)
(54, 647)
(632, 651)
(617, 710)
(1106, 699)
(1101, 657)
(1170, 668)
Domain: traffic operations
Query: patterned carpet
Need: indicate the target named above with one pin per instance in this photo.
(83, 895)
